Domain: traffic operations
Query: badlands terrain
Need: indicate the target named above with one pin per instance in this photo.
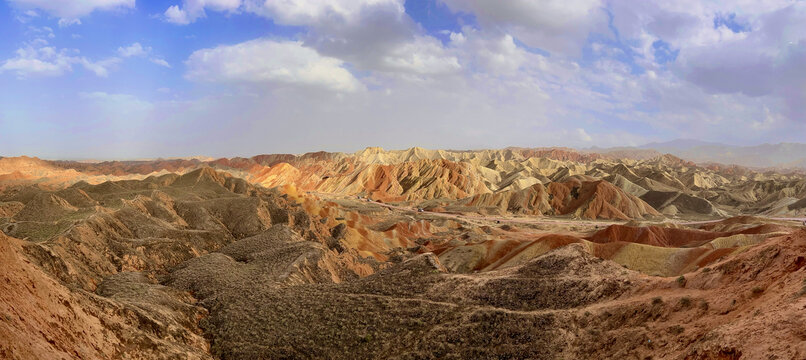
(517, 253)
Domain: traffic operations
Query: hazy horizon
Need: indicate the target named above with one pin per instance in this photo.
(647, 146)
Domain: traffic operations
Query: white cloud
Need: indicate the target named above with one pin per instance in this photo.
(28, 63)
(677, 108)
(160, 62)
(138, 50)
(69, 11)
(715, 78)
(38, 43)
(287, 12)
(45, 61)
(177, 16)
(41, 32)
(423, 55)
(558, 26)
(270, 62)
(134, 49)
(495, 53)
(689, 23)
(583, 135)
(311, 12)
(766, 61)
(370, 34)
(100, 68)
(192, 10)
(68, 22)
(26, 16)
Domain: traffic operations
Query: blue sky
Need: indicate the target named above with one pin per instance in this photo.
(131, 79)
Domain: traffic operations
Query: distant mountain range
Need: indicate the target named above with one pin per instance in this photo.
(782, 155)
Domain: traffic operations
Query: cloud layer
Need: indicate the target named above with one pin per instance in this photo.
(270, 62)
(70, 11)
(520, 72)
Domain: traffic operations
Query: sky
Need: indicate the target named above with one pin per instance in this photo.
(104, 79)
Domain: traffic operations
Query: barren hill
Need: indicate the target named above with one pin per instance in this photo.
(476, 181)
(203, 264)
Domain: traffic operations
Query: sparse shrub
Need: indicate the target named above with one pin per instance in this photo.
(756, 290)
(657, 300)
(681, 280)
(685, 301)
(706, 269)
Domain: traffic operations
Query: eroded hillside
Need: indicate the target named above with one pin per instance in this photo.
(500, 254)
(616, 185)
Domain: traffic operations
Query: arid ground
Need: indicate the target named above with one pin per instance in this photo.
(414, 254)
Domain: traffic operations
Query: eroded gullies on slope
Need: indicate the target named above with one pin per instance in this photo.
(208, 265)
(109, 262)
(615, 185)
